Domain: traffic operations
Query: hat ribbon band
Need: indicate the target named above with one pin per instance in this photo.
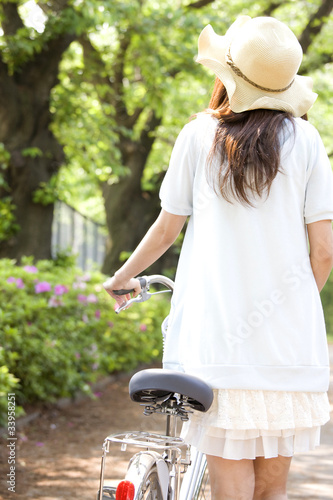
(238, 72)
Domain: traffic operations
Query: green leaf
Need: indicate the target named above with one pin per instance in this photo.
(32, 152)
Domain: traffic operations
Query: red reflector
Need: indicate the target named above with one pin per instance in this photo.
(125, 491)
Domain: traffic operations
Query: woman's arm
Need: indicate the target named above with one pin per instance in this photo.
(157, 240)
(321, 250)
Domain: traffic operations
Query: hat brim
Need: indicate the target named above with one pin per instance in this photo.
(243, 96)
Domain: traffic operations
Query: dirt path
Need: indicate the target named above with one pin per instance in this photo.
(58, 454)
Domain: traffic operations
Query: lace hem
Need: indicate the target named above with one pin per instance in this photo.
(265, 410)
(239, 445)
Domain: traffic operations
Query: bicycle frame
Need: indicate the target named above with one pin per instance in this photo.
(165, 456)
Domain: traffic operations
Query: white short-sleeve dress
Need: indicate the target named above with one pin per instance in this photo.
(246, 314)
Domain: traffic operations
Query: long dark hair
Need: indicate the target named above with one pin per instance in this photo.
(248, 147)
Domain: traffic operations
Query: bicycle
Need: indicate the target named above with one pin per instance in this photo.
(155, 472)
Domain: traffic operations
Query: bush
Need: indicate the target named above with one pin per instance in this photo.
(59, 333)
(8, 384)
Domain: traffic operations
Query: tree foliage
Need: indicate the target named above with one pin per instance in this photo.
(103, 88)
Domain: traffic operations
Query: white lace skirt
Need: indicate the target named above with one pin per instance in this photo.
(248, 424)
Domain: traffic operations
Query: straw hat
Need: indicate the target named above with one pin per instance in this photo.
(257, 61)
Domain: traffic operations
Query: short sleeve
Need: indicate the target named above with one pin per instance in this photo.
(176, 191)
(319, 190)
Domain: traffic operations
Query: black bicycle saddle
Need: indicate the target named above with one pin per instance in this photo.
(157, 384)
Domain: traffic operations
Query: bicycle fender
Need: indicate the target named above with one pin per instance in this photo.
(163, 476)
(139, 467)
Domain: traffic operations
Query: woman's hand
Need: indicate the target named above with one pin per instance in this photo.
(115, 283)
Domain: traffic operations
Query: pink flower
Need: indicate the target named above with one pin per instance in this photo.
(55, 302)
(110, 324)
(143, 327)
(60, 289)
(85, 318)
(19, 283)
(81, 298)
(79, 286)
(97, 314)
(92, 298)
(31, 269)
(42, 286)
(77, 355)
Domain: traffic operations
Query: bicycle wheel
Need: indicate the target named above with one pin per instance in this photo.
(151, 490)
(149, 475)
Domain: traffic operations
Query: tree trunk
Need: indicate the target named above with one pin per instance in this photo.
(25, 119)
(129, 210)
(24, 176)
(129, 217)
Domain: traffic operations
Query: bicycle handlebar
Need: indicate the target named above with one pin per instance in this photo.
(145, 282)
(123, 291)
(162, 280)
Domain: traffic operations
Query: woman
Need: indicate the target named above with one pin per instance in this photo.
(256, 183)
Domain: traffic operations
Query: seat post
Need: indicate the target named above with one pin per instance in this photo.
(171, 427)
(171, 431)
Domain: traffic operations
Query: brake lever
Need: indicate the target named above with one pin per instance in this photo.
(142, 297)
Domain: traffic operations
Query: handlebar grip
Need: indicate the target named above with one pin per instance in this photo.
(123, 291)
